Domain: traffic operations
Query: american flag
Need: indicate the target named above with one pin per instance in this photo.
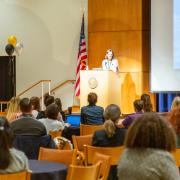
(82, 58)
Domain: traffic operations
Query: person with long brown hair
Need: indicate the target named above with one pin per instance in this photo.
(111, 135)
(147, 105)
(148, 146)
(174, 118)
(11, 159)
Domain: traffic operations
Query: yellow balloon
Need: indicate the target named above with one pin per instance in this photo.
(12, 40)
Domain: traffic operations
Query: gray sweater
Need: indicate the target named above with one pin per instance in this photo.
(19, 162)
(148, 164)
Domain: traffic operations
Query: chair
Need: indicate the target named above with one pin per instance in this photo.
(24, 175)
(113, 152)
(105, 165)
(60, 156)
(55, 134)
(30, 144)
(63, 143)
(83, 172)
(89, 129)
(176, 155)
(80, 141)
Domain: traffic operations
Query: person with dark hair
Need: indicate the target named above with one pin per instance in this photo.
(26, 124)
(148, 146)
(11, 160)
(138, 107)
(111, 135)
(48, 99)
(54, 121)
(147, 105)
(59, 104)
(92, 114)
(174, 118)
(35, 102)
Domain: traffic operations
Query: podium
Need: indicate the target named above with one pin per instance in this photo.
(106, 84)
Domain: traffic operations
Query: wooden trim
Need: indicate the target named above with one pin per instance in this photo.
(4, 102)
(33, 86)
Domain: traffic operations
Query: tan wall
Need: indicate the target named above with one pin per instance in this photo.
(122, 25)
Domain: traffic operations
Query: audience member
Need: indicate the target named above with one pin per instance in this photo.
(13, 109)
(48, 99)
(54, 121)
(59, 104)
(138, 107)
(111, 135)
(35, 102)
(148, 145)
(26, 124)
(174, 119)
(175, 103)
(147, 105)
(11, 160)
(92, 114)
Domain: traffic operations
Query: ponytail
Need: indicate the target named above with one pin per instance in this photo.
(110, 128)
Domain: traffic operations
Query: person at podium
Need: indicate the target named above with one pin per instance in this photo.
(110, 63)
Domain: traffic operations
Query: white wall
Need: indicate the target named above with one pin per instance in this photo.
(49, 31)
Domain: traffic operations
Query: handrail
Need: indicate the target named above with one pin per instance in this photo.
(33, 86)
(62, 84)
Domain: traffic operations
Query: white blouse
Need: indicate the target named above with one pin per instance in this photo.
(110, 65)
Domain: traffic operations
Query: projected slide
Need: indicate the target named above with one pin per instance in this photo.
(176, 34)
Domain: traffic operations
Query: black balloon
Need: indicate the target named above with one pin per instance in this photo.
(9, 49)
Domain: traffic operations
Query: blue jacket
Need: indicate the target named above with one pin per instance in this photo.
(92, 115)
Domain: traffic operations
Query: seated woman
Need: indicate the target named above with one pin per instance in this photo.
(48, 99)
(174, 119)
(138, 107)
(59, 104)
(92, 114)
(148, 146)
(110, 136)
(13, 111)
(11, 159)
(35, 101)
(54, 121)
(147, 105)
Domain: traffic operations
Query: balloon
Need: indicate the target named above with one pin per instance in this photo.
(18, 48)
(12, 40)
(9, 49)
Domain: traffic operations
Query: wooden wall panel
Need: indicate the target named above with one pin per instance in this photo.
(114, 15)
(124, 26)
(127, 46)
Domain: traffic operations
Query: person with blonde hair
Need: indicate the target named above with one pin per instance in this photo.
(13, 111)
(176, 102)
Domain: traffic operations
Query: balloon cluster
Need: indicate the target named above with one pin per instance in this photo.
(13, 46)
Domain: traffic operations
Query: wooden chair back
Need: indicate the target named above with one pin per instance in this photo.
(105, 165)
(83, 172)
(24, 175)
(176, 155)
(55, 134)
(60, 156)
(113, 152)
(80, 141)
(89, 129)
